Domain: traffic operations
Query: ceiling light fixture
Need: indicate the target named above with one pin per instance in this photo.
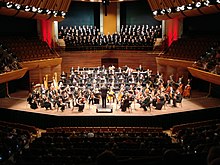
(198, 4)
(55, 13)
(48, 11)
(9, 5)
(169, 10)
(63, 13)
(155, 12)
(182, 7)
(162, 11)
(189, 7)
(27, 8)
(39, 10)
(177, 8)
(18, 6)
(34, 9)
(206, 3)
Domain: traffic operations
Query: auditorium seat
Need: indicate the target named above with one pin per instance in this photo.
(189, 49)
(180, 101)
(112, 129)
(104, 129)
(127, 143)
(29, 49)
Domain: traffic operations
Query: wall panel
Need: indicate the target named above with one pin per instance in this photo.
(93, 59)
(110, 21)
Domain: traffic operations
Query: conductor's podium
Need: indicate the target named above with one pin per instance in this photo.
(108, 109)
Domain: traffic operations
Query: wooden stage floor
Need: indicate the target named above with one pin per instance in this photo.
(198, 101)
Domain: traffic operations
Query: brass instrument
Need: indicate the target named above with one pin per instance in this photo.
(55, 81)
(46, 82)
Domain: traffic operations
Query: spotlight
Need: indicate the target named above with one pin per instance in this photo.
(182, 7)
(18, 6)
(162, 11)
(155, 12)
(105, 2)
(55, 13)
(27, 8)
(189, 7)
(169, 10)
(177, 8)
(218, 1)
(48, 11)
(63, 13)
(198, 4)
(34, 9)
(39, 10)
(9, 4)
(206, 3)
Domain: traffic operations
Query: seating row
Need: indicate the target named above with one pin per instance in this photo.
(105, 129)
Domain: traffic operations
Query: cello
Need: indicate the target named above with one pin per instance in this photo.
(187, 90)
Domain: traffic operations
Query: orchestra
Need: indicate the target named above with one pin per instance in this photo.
(124, 86)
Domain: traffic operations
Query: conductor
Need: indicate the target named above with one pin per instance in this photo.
(104, 91)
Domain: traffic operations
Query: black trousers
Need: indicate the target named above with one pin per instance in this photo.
(81, 107)
(103, 101)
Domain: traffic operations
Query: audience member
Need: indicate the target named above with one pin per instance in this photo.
(9, 61)
(214, 153)
(106, 158)
(91, 134)
(209, 61)
(171, 157)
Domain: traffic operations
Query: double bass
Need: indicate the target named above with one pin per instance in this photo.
(187, 91)
(180, 88)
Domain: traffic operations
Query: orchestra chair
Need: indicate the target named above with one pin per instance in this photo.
(165, 104)
(126, 105)
(149, 107)
(159, 106)
(179, 101)
(129, 108)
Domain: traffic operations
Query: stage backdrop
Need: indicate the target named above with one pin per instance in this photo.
(88, 13)
(137, 13)
(82, 13)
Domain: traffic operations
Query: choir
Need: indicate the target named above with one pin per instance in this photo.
(129, 35)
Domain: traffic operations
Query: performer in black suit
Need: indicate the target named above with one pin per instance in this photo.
(126, 103)
(33, 104)
(80, 103)
(146, 103)
(104, 91)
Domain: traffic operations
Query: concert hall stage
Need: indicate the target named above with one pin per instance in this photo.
(197, 108)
